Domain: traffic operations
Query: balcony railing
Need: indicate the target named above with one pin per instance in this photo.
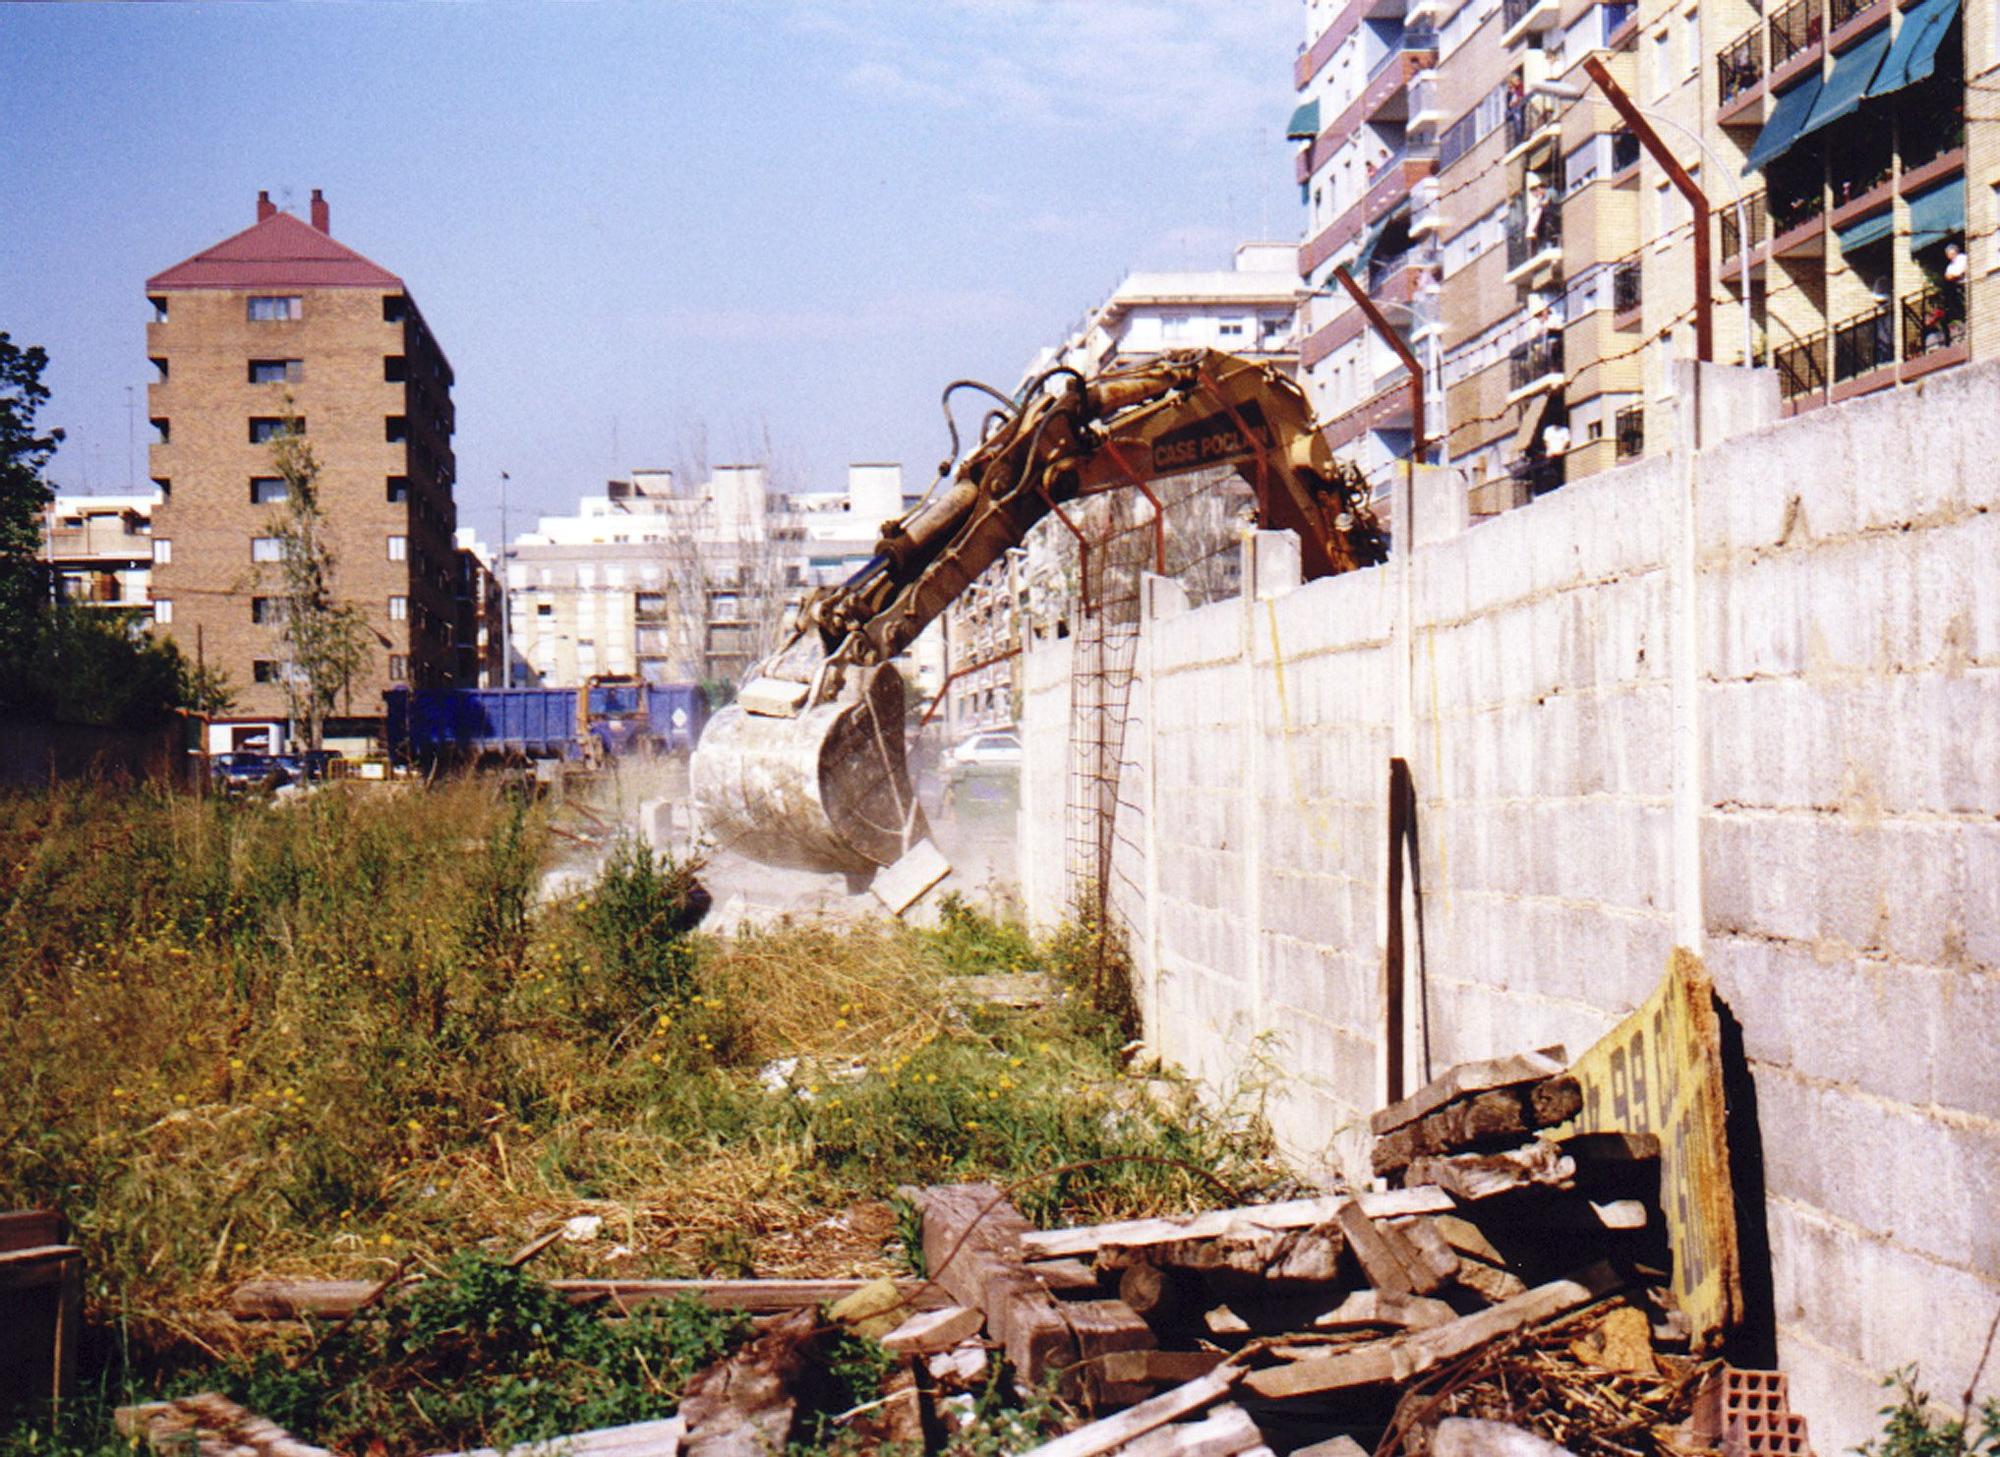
(1753, 215)
(1933, 318)
(1741, 65)
(1539, 475)
(1792, 212)
(1802, 367)
(1629, 430)
(1793, 29)
(1526, 117)
(1625, 294)
(1863, 343)
(1537, 359)
(1839, 12)
(1525, 242)
(1382, 269)
(1512, 12)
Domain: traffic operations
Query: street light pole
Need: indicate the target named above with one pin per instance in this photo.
(1575, 93)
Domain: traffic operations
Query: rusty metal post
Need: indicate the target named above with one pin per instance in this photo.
(1395, 341)
(1704, 288)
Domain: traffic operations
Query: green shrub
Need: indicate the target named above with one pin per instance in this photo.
(638, 916)
(1913, 1428)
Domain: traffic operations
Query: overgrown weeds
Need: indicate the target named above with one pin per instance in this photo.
(1913, 1427)
(330, 1038)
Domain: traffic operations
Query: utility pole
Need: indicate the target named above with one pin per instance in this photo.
(1704, 289)
(1395, 341)
(506, 596)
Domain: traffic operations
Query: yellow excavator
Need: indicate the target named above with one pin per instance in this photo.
(807, 767)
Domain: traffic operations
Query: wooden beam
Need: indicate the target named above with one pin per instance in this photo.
(297, 1299)
(1398, 1358)
(1107, 1434)
(1466, 1123)
(1468, 1077)
(1216, 1223)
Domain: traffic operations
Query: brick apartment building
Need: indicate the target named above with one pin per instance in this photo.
(282, 310)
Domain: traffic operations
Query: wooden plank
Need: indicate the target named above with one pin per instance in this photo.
(1161, 1366)
(1379, 1308)
(1105, 1328)
(972, 1247)
(1470, 1122)
(1489, 1282)
(1225, 1432)
(1467, 1238)
(1310, 1256)
(40, 1266)
(1375, 1255)
(931, 1331)
(296, 1299)
(26, 1229)
(1431, 1249)
(1107, 1434)
(1086, 1240)
(661, 1438)
(1469, 1077)
(1476, 1176)
(1063, 1278)
(1398, 1358)
(207, 1424)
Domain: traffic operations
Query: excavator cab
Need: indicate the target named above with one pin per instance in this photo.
(807, 768)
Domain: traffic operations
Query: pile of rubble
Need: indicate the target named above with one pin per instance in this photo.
(1508, 1290)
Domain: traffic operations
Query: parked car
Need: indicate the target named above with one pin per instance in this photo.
(309, 766)
(242, 773)
(998, 746)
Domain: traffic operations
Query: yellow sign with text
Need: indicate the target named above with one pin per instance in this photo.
(1660, 1072)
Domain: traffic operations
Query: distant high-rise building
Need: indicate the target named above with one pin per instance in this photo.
(281, 319)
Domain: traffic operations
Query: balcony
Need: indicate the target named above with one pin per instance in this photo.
(1625, 295)
(1933, 319)
(1802, 367)
(1524, 17)
(1863, 344)
(1794, 31)
(1425, 215)
(1753, 216)
(1629, 431)
(1849, 17)
(1534, 366)
(1740, 66)
(1624, 153)
(1529, 120)
(1533, 246)
(1427, 111)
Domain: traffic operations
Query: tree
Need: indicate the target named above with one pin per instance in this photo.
(326, 640)
(24, 495)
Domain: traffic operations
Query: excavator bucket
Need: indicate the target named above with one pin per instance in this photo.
(824, 787)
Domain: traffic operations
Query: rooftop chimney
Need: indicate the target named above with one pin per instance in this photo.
(265, 207)
(319, 213)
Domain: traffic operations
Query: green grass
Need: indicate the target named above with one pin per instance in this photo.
(328, 1038)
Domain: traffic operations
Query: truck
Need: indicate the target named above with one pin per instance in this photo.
(610, 717)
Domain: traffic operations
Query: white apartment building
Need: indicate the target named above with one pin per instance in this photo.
(100, 548)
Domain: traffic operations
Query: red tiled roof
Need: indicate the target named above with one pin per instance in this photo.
(280, 252)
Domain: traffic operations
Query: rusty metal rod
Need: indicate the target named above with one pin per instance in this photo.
(1395, 341)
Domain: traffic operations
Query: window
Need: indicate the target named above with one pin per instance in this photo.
(266, 428)
(399, 609)
(545, 609)
(395, 368)
(264, 670)
(399, 548)
(398, 490)
(266, 489)
(396, 429)
(276, 371)
(159, 308)
(394, 306)
(1230, 330)
(266, 549)
(163, 609)
(1663, 63)
(266, 308)
(399, 668)
(1691, 40)
(264, 610)
(163, 551)
(1176, 327)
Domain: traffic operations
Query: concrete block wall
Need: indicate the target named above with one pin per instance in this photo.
(1816, 606)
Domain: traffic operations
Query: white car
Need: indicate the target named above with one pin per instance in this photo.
(987, 748)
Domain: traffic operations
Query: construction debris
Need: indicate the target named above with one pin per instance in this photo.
(1514, 1296)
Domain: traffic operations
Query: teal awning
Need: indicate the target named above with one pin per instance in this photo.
(1853, 70)
(1304, 125)
(1787, 118)
(1937, 214)
(1868, 230)
(1915, 54)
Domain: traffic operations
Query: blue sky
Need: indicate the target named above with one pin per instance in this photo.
(638, 227)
